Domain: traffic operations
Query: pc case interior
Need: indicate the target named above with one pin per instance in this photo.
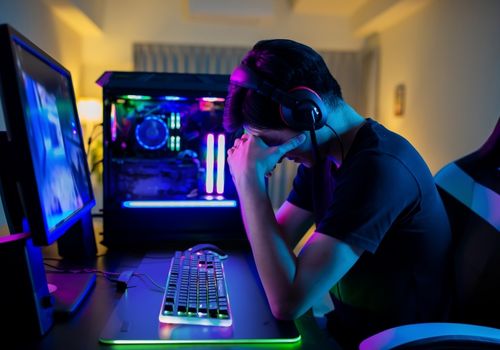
(165, 176)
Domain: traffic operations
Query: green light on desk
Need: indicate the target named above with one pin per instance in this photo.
(136, 97)
(284, 343)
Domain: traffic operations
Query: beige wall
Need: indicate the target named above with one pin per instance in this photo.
(33, 19)
(168, 21)
(448, 56)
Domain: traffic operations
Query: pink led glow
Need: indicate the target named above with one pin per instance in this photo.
(212, 99)
(209, 179)
(113, 122)
(221, 162)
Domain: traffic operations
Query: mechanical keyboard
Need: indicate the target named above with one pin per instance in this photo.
(196, 291)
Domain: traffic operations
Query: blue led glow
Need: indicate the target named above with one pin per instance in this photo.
(174, 98)
(152, 133)
(181, 204)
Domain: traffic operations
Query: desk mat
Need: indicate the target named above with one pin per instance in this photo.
(135, 318)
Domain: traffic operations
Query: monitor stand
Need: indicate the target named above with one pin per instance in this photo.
(78, 248)
(69, 290)
(77, 245)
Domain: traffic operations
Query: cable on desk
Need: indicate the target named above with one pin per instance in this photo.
(108, 275)
(157, 285)
(62, 259)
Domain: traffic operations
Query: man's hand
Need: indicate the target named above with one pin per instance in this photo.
(250, 159)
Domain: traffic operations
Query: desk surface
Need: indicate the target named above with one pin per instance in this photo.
(82, 330)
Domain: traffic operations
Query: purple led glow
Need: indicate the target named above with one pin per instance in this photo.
(209, 180)
(113, 122)
(221, 162)
(212, 99)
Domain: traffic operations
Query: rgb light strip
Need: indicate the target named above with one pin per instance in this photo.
(181, 204)
(209, 180)
(221, 162)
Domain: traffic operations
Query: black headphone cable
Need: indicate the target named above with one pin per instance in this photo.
(314, 142)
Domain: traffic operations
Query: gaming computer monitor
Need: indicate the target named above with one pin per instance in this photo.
(46, 158)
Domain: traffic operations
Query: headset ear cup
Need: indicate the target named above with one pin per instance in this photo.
(287, 116)
(300, 117)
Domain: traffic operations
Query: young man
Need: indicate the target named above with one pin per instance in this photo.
(381, 243)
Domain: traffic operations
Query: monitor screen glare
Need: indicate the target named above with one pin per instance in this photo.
(55, 141)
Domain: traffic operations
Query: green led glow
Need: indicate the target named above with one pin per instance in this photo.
(177, 143)
(178, 121)
(136, 97)
(172, 120)
(278, 342)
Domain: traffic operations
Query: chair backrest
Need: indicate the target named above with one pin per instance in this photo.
(470, 189)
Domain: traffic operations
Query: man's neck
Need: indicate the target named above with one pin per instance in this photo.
(346, 123)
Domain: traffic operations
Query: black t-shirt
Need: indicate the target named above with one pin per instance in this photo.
(382, 199)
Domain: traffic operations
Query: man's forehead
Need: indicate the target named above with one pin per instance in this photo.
(271, 137)
(261, 132)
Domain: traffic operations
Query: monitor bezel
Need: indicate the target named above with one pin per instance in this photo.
(17, 136)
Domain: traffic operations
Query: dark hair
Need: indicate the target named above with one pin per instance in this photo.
(285, 64)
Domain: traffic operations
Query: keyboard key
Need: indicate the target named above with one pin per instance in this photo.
(221, 288)
(195, 292)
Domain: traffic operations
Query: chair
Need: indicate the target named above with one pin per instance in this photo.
(470, 189)
(434, 336)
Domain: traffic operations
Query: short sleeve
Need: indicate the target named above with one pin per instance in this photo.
(370, 196)
(301, 193)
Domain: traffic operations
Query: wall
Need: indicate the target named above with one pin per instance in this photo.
(168, 21)
(448, 57)
(33, 19)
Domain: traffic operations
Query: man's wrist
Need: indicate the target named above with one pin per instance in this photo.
(249, 183)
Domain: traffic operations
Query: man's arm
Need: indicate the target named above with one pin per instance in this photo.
(292, 284)
(293, 222)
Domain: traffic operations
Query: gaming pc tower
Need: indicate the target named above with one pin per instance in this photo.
(165, 177)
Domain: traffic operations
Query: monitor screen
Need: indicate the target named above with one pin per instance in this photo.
(52, 137)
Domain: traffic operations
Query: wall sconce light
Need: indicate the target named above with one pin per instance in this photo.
(399, 100)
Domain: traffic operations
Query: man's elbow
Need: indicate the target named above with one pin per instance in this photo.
(286, 311)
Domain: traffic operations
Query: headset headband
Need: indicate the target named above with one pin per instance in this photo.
(245, 77)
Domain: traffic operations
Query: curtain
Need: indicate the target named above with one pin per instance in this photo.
(345, 66)
(187, 59)
(370, 61)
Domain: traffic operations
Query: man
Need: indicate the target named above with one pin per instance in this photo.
(381, 243)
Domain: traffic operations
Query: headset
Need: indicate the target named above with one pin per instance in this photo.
(301, 108)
